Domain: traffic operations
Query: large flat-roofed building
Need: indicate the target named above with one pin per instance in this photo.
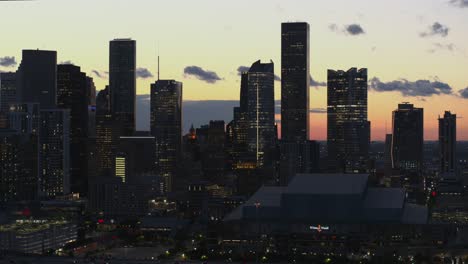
(329, 199)
(36, 235)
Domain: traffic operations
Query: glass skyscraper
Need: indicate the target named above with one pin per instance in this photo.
(122, 83)
(348, 133)
(166, 128)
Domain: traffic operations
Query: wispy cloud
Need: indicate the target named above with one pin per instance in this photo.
(201, 74)
(143, 73)
(459, 3)
(315, 83)
(100, 74)
(350, 30)
(419, 88)
(464, 93)
(318, 110)
(67, 62)
(7, 61)
(436, 29)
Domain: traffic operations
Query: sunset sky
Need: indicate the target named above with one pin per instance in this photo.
(418, 49)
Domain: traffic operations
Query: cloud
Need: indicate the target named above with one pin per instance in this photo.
(419, 88)
(277, 78)
(351, 29)
(318, 110)
(242, 69)
(67, 62)
(355, 29)
(143, 73)
(459, 3)
(464, 93)
(100, 74)
(7, 61)
(443, 47)
(315, 83)
(436, 29)
(201, 74)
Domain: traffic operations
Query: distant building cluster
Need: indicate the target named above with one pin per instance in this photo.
(257, 177)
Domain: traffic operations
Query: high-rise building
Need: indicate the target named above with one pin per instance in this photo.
(18, 166)
(408, 138)
(72, 94)
(107, 133)
(54, 152)
(212, 141)
(261, 112)
(8, 91)
(122, 83)
(448, 143)
(295, 82)
(348, 133)
(166, 128)
(37, 78)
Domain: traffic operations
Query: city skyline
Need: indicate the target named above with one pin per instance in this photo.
(205, 63)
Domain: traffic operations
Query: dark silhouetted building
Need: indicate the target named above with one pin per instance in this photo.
(8, 92)
(18, 166)
(73, 94)
(54, 152)
(261, 112)
(348, 133)
(37, 78)
(139, 152)
(212, 139)
(295, 82)
(408, 138)
(448, 143)
(106, 134)
(166, 128)
(122, 83)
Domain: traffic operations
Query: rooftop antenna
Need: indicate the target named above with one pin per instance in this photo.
(158, 62)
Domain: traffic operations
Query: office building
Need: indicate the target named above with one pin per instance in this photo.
(348, 133)
(37, 78)
(54, 152)
(295, 82)
(408, 138)
(73, 94)
(122, 83)
(448, 143)
(18, 166)
(261, 113)
(8, 84)
(166, 128)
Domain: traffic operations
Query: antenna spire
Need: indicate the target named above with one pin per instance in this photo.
(158, 67)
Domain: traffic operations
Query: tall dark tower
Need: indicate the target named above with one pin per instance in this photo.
(73, 94)
(122, 83)
(37, 78)
(295, 82)
(166, 128)
(448, 143)
(7, 90)
(348, 134)
(408, 138)
(261, 112)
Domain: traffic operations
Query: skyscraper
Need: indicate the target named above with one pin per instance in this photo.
(72, 94)
(408, 138)
(54, 152)
(166, 128)
(295, 82)
(7, 90)
(448, 143)
(348, 133)
(122, 83)
(261, 112)
(37, 78)
(107, 133)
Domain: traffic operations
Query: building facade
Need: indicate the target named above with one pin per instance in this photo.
(348, 130)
